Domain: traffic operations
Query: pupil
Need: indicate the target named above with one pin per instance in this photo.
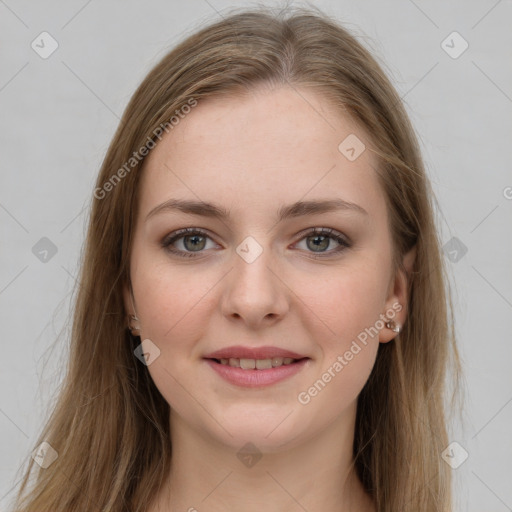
(195, 244)
(325, 239)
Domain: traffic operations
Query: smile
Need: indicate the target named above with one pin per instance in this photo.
(258, 364)
(256, 372)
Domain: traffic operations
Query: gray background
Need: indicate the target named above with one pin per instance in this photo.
(59, 114)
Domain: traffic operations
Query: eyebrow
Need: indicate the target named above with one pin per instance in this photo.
(297, 209)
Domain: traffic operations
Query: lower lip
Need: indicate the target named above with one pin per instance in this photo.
(256, 378)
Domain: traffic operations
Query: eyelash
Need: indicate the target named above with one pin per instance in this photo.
(331, 233)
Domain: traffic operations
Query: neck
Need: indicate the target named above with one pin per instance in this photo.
(313, 474)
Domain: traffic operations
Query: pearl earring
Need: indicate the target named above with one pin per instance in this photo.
(391, 324)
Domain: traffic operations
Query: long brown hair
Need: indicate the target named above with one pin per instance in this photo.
(110, 425)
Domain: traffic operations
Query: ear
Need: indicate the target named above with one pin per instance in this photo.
(127, 300)
(132, 320)
(398, 297)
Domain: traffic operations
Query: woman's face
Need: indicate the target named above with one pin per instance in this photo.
(254, 279)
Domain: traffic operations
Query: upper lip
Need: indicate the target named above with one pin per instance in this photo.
(240, 352)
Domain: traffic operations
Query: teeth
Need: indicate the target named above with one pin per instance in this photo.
(260, 364)
(247, 364)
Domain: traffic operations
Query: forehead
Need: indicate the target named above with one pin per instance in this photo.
(261, 150)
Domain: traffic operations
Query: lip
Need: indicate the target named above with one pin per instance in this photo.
(241, 352)
(257, 378)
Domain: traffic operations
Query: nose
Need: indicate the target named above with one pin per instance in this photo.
(254, 293)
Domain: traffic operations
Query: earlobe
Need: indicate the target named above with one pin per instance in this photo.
(391, 330)
(133, 325)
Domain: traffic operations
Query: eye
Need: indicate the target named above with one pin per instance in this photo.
(193, 240)
(319, 239)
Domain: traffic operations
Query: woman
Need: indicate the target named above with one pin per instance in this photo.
(263, 316)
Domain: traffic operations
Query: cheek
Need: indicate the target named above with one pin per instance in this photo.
(349, 305)
(348, 353)
(349, 301)
(170, 304)
(173, 308)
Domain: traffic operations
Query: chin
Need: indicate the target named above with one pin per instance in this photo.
(271, 434)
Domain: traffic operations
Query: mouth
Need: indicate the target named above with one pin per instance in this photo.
(257, 373)
(257, 364)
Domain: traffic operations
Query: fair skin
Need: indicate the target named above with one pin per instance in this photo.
(252, 155)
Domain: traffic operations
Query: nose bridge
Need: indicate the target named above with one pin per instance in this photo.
(253, 290)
